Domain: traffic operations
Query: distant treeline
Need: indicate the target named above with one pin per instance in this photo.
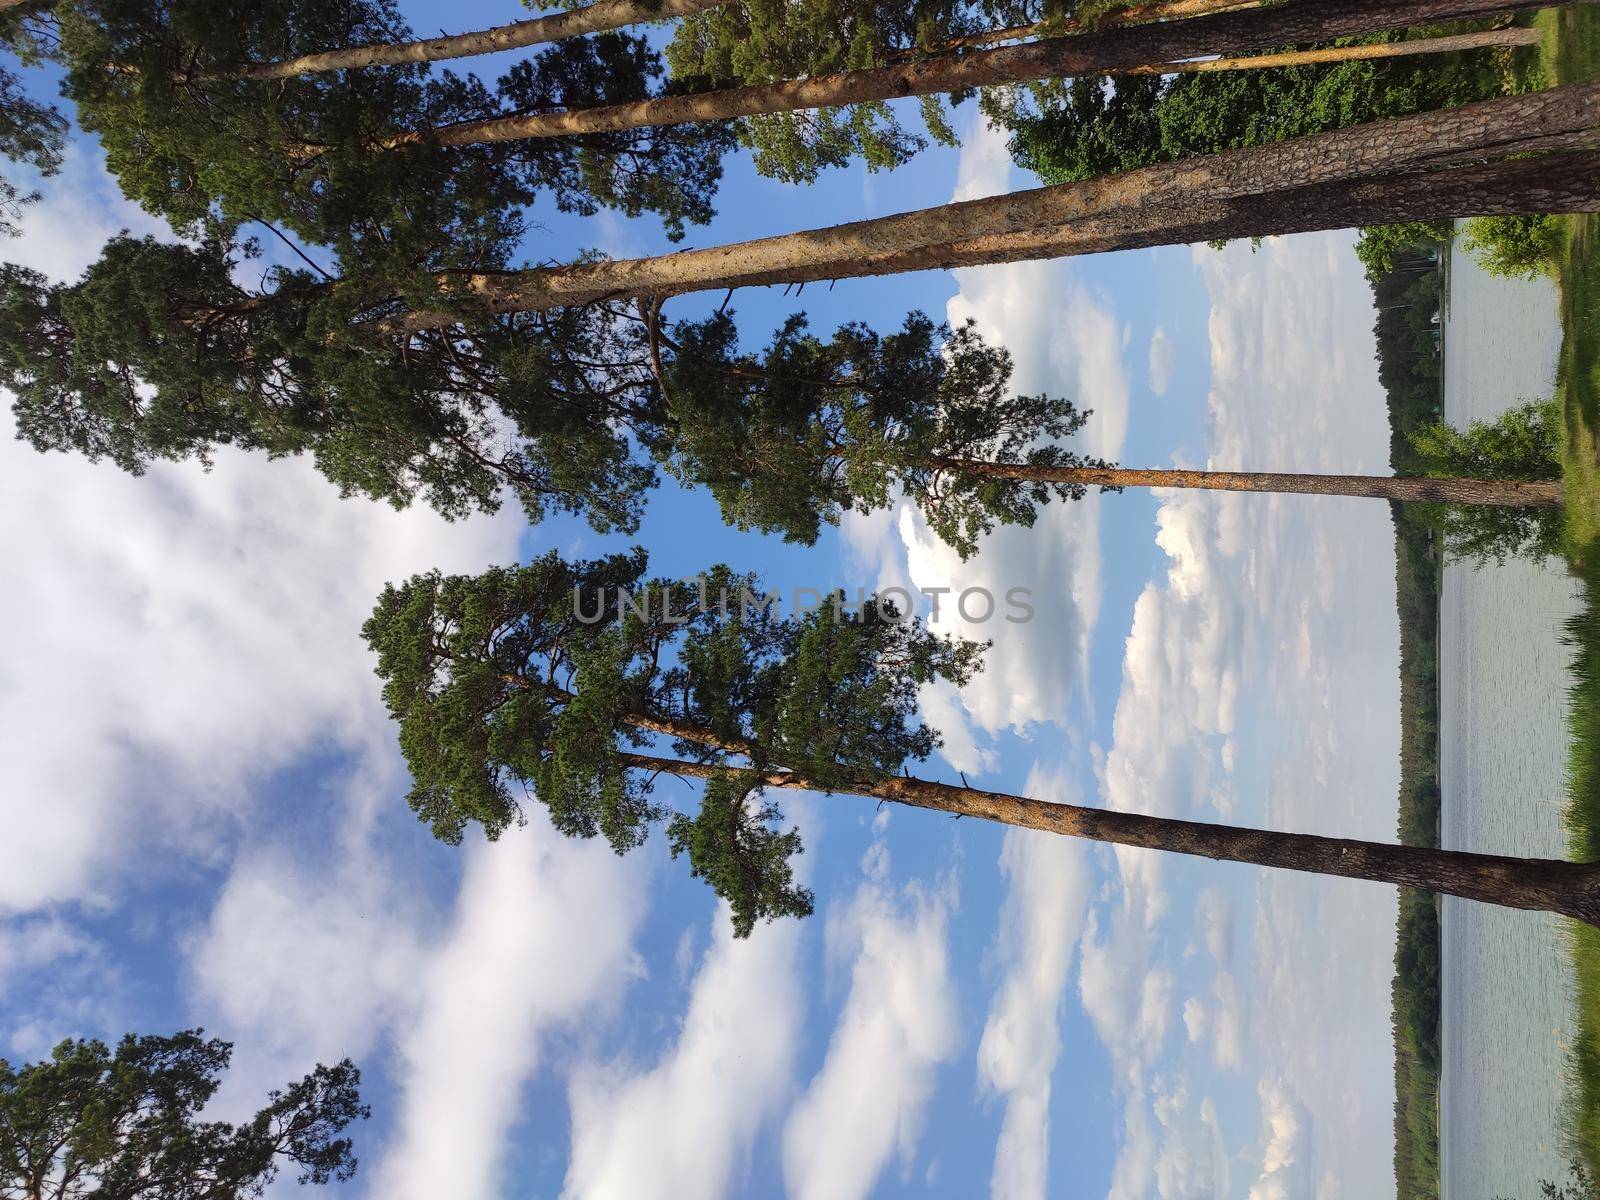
(1410, 368)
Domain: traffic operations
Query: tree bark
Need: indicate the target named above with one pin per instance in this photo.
(1106, 52)
(1511, 35)
(1529, 153)
(592, 18)
(1551, 183)
(1133, 14)
(1516, 493)
(1550, 885)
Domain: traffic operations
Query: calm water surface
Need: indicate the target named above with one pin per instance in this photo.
(1508, 999)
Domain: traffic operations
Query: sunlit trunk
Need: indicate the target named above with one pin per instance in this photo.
(1519, 493)
(1571, 889)
(1529, 153)
(591, 18)
(1105, 52)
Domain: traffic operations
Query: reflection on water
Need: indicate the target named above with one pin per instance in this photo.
(1508, 1000)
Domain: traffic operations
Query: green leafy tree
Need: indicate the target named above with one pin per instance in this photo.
(544, 679)
(1522, 246)
(1085, 127)
(1089, 127)
(1579, 1185)
(124, 1124)
(1521, 443)
(1381, 247)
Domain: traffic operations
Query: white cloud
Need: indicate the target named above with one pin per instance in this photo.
(1196, 1020)
(1030, 673)
(963, 747)
(1227, 1034)
(54, 979)
(1041, 922)
(314, 966)
(82, 208)
(1070, 346)
(1259, 682)
(1213, 917)
(201, 629)
(984, 166)
(1161, 361)
(541, 939)
(682, 1129)
(1284, 1172)
(897, 1026)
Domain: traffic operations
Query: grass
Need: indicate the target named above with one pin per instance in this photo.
(1569, 52)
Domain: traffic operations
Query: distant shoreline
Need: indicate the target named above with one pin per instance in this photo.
(1409, 300)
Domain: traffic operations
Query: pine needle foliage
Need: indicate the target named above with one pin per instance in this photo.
(538, 680)
(792, 437)
(92, 1121)
(193, 142)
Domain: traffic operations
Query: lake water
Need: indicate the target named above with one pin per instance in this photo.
(1508, 997)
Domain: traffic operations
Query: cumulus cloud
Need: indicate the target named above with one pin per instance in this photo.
(1192, 1163)
(200, 628)
(1227, 1036)
(1213, 917)
(897, 1026)
(314, 966)
(683, 1127)
(515, 965)
(1196, 1020)
(1049, 883)
(1161, 361)
(1258, 685)
(1073, 347)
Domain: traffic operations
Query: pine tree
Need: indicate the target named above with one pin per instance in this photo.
(31, 133)
(837, 72)
(1524, 153)
(96, 1122)
(551, 680)
(212, 152)
(808, 429)
(599, 17)
(157, 354)
(542, 679)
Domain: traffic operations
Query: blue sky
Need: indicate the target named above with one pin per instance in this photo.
(207, 820)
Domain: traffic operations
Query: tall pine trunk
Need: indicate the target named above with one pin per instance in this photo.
(591, 18)
(1533, 153)
(1133, 14)
(1511, 35)
(1106, 52)
(1515, 493)
(1571, 889)
(1551, 885)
